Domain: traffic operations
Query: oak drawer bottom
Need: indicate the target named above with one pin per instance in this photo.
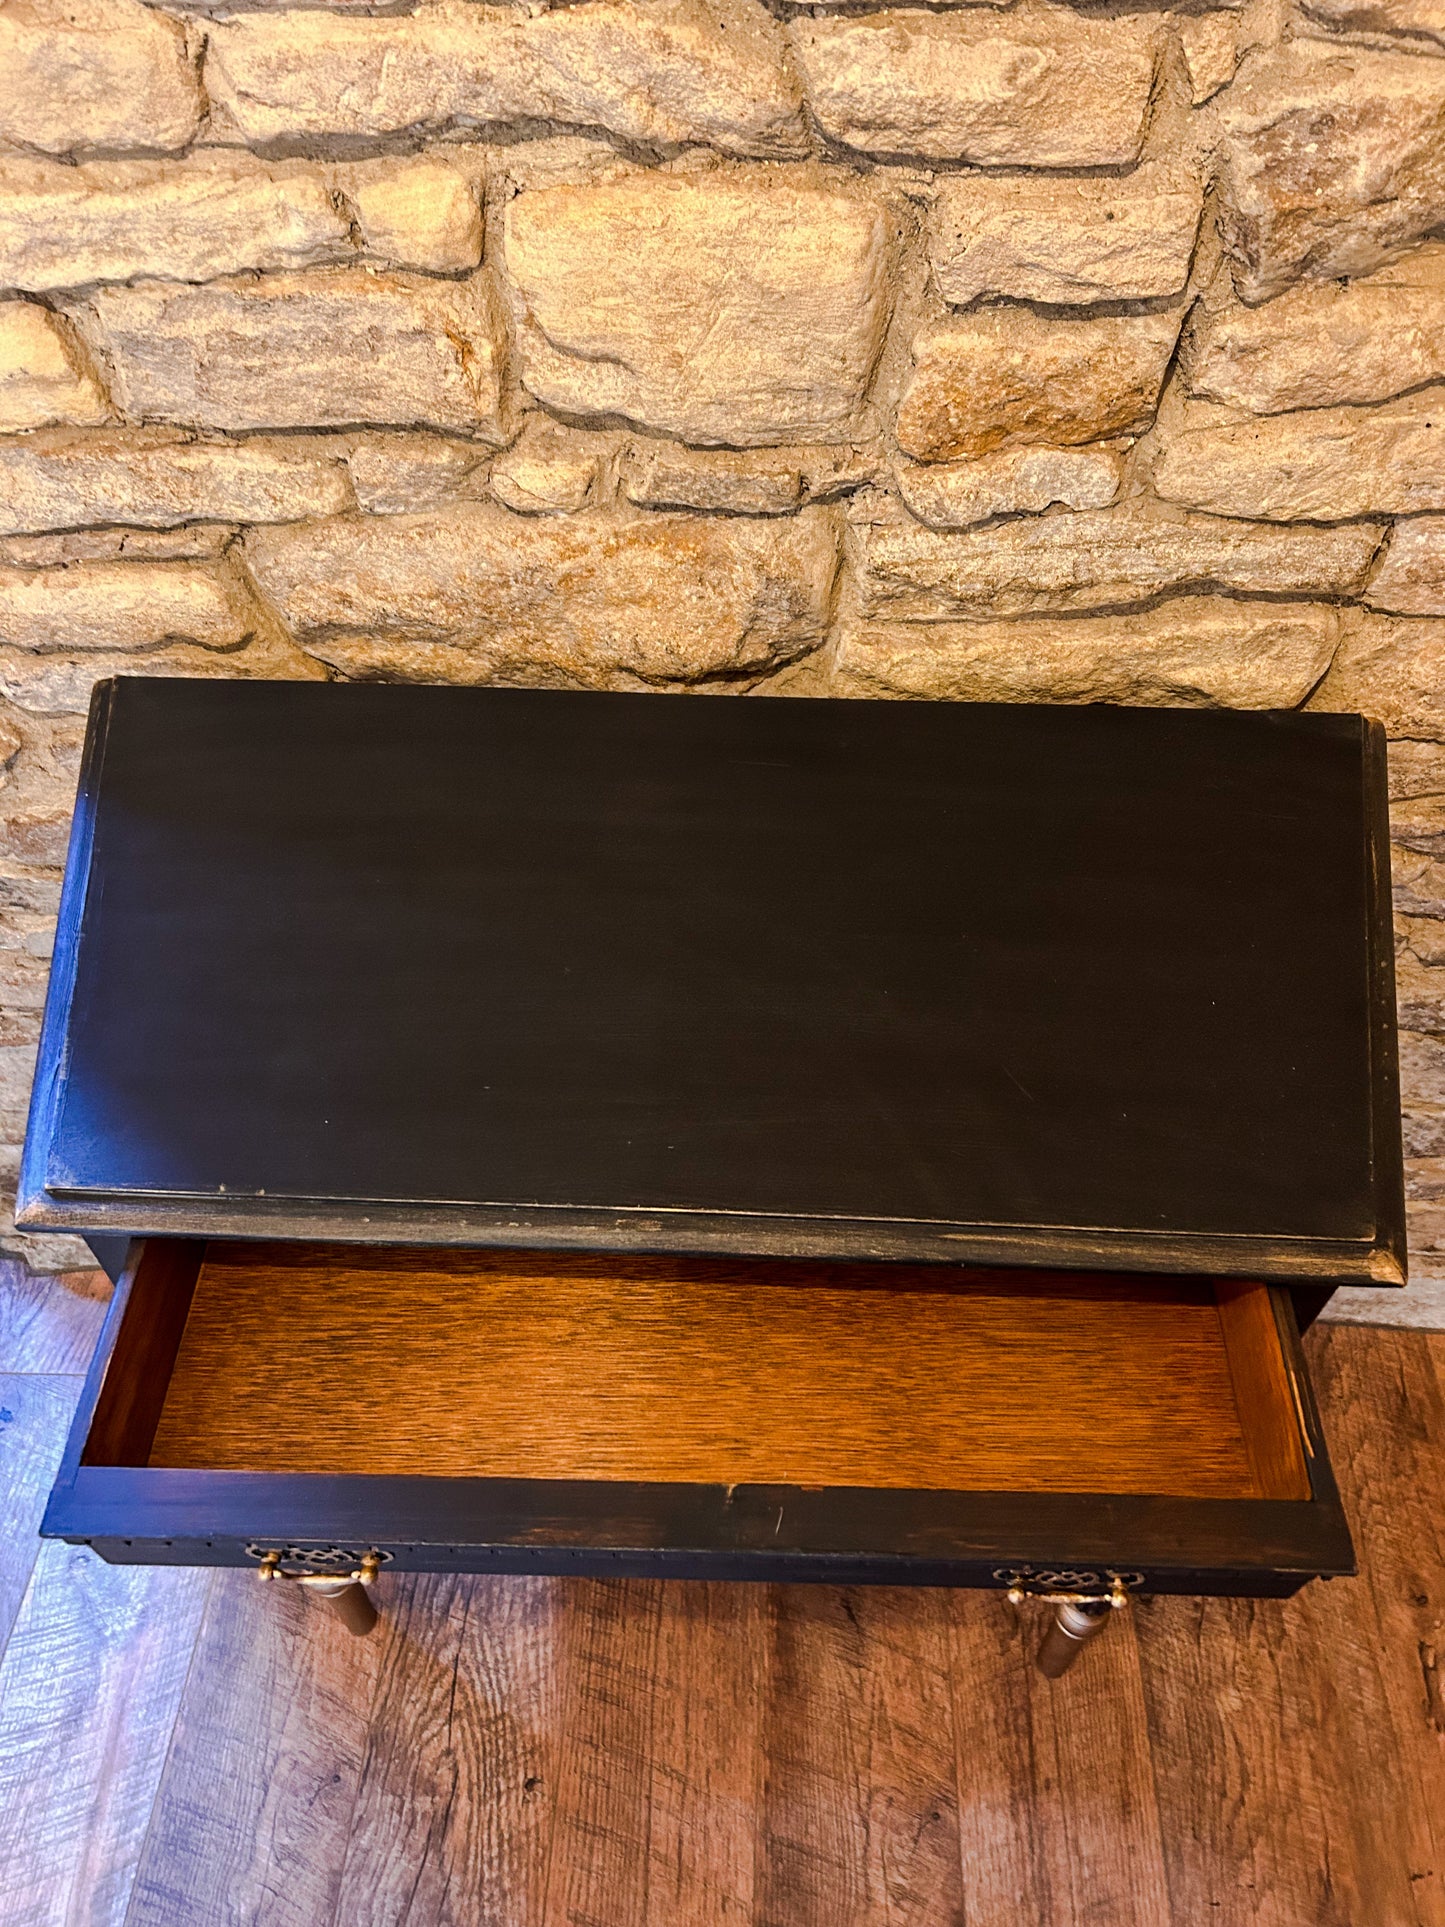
(522, 1365)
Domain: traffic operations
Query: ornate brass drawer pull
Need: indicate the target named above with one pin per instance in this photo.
(272, 1568)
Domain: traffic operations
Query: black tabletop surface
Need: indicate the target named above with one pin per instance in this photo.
(892, 979)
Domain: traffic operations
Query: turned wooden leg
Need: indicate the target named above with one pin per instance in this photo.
(348, 1599)
(1070, 1630)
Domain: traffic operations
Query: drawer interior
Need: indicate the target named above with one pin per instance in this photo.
(506, 1364)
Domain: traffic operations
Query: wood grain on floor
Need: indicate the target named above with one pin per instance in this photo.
(49, 1322)
(186, 1749)
(35, 1413)
(252, 1810)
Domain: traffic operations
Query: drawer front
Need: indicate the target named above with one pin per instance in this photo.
(779, 1568)
(494, 1412)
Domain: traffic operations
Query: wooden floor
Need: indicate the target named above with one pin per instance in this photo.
(190, 1748)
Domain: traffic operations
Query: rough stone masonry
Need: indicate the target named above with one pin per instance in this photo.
(1018, 351)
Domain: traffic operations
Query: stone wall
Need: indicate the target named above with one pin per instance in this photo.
(1028, 352)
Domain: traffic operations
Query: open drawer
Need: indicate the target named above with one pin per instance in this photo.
(468, 1410)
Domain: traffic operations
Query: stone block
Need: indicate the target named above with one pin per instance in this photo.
(1422, 1090)
(1010, 481)
(45, 375)
(665, 476)
(1422, 1078)
(42, 760)
(337, 347)
(475, 594)
(213, 214)
(105, 630)
(1417, 883)
(16, 1068)
(59, 682)
(1319, 464)
(219, 213)
(415, 213)
(22, 979)
(1045, 88)
(35, 837)
(48, 1254)
(187, 542)
(1423, 939)
(1101, 558)
(81, 75)
(156, 478)
(1411, 579)
(1416, 770)
(1333, 158)
(1420, 1004)
(22, 890)
(742, 306)
(1211, 44)
(548, 470)
(772, 481)
(664, 73)
(63, 629)
(1326, 342)
(1098, 238)
(1418, 24)
(399, 474)
(1200, 651)
(995, 375)
(124, 606)
(1391, 668)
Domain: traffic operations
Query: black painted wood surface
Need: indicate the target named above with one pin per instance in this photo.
(1090, 986)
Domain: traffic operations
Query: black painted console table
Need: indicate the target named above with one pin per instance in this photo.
(571, 1133)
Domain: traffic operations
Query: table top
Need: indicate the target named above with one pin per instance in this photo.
(1009, 984)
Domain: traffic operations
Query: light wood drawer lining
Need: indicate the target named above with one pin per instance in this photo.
(342, 1359)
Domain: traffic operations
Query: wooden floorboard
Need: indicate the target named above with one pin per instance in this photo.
(706, 1770)
(49, 1322)
(657, 1772)
(453, 1811)
(600, 1847)
(1058, 1811)
(188, 1749)
(89, 1687)
(253, 1812)
(35, 1414)
(859, 1816)
(1296, 1751)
